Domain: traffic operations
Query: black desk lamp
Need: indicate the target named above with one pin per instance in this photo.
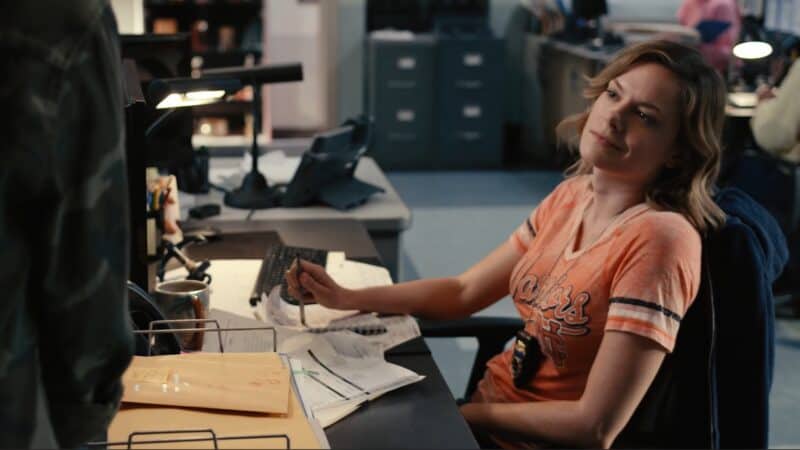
(255, 193)
(172, 94)
(753, 50)
(162, 94)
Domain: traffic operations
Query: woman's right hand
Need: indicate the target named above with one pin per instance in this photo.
(314, 285)
(765, 92)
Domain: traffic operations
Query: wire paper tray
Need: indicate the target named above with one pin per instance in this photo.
(151, 332)
(160, 437)
(213, 438)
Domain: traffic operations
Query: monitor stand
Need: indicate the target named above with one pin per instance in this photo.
(254, 193)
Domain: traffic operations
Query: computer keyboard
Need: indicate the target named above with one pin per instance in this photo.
(277, 261)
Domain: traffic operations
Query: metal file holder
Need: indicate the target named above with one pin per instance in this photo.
(213, 438)
(151, 332)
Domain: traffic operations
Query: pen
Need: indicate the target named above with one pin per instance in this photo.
(254, 296)
(301, 302)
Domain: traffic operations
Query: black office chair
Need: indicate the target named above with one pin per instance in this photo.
(775, 184)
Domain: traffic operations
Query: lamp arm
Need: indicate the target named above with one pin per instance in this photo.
(157, 123)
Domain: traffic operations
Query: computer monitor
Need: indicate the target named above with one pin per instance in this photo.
(754, 8)
(582, 24)
(589, 9)
(420, 15)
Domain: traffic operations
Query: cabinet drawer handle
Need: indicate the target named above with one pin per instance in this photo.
(469, 135)
(469, 84)
(471, 111)
(401, 84)
(406, 63)
(405, 115)
(402, 136)
(473, 59)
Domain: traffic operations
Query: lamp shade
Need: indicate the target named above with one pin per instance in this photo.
(752, 40)
(167, 93)
(752, 50)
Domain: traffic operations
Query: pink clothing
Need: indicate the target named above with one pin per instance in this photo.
(717, 52)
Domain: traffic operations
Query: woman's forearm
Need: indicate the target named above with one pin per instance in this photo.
(557, 422)
(435, 298)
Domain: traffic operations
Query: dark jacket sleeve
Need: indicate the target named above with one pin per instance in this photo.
(65, 215)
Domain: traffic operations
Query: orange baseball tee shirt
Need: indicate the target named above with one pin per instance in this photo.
(640, 276)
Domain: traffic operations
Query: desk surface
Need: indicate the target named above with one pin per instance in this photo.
(382, 212)
(422, 415)
(736, 111)
(601, 55)
(250, 238)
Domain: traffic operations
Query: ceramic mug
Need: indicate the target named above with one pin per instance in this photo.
(185, 299)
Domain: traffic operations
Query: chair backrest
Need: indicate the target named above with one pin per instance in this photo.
(679, 409)
(713, 389)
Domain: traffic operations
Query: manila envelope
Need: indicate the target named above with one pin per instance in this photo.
(232, 429)
(255, 382)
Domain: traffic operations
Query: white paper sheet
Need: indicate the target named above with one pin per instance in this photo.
(334, 380)
(327, 360)
(284, 313)
(399, 329)
(244, 341)
(232, 282)
(357, 275)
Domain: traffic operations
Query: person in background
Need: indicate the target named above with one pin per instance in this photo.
(602, 271)
(776, 119)
(65, 336)
(717, 51)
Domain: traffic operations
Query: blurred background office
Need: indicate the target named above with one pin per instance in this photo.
(465, 96)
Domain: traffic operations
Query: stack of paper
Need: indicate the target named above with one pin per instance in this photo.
(399, 329)
(338, 372)
(335, 372)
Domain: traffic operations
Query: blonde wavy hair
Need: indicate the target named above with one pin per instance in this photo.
(688, 187)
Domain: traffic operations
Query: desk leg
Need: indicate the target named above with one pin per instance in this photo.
(388, 245)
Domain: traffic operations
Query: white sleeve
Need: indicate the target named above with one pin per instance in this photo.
(776, 121)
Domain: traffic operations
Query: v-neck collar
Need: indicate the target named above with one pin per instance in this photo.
(571, 253)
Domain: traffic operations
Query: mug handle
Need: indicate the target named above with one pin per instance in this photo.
(199, 313)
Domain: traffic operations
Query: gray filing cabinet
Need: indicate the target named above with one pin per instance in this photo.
(469, 101)
(400, 88)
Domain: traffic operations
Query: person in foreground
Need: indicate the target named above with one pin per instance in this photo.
(604, 268)
(65, 336)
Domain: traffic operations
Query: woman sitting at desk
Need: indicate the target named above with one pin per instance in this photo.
(603, 269)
